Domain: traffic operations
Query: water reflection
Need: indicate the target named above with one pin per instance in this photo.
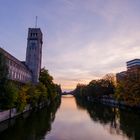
(31, 127)
(79, 121)
(74, 120)
(118, 122)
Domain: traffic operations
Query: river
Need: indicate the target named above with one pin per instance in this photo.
(73, 120)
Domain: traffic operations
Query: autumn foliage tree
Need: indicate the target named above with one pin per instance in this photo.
(129, 89)
(95, 89)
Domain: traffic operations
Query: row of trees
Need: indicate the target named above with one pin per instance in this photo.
(126, 90)
(96, 88)
(13, 94)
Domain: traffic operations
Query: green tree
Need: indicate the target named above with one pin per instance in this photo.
(22, 98)
(43, 95)
(47, 80)
(8, 90)
(3, 69)
(3, 78)
(37, 94)
(45, 77)
(33, 95)
(10, 96)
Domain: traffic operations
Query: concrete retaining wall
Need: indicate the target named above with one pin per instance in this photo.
(8, 114)
(11, 113)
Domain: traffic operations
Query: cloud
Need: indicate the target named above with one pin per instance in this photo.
(94, 60)
(82, 39)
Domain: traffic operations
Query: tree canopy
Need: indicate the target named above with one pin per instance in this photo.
(128, 90)
(95, 88)
(17, 95)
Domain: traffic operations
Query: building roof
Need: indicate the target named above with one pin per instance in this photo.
(11, 57)
(134, 60)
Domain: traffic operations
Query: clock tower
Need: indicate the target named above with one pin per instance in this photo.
(34, 52)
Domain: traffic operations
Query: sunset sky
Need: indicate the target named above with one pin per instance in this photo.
(83, 39)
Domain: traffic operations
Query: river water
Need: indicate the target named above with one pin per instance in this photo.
(73, 120)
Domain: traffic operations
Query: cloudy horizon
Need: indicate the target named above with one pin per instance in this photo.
(82, 40)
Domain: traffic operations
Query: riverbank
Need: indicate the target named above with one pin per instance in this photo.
(13, 112)
(68, 120)
(28, 123)
(9, 117)
(108, 101)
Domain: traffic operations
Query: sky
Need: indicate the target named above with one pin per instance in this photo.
(82, 39)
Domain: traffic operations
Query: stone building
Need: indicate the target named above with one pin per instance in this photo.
(17, 70)
(29, 70)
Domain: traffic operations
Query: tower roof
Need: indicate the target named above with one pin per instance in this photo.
(35, 33)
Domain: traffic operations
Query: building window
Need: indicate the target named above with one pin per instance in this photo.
(10, 74)
(11, 63)
(13, 75)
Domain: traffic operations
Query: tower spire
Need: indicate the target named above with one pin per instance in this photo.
(36, 21)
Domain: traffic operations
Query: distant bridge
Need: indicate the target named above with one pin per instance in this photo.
(67, 93)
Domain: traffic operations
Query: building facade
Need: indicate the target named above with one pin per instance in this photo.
(133, 66)
(121, 76)
(17, 70)
(133, 70)
(29, 70)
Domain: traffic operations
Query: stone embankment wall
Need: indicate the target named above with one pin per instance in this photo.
(11, 113)
(8, 114)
